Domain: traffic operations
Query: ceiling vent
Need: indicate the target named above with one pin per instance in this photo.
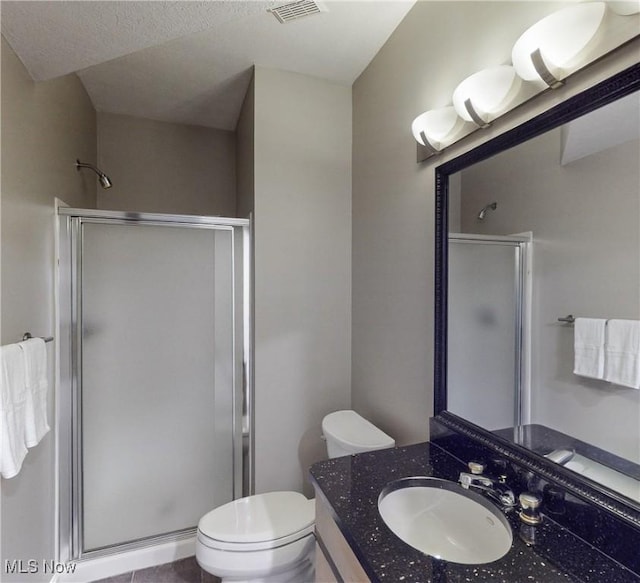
(295, 10)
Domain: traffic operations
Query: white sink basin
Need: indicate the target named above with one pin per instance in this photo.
(442, 519)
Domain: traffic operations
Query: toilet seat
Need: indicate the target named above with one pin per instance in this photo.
(259, 522)
(247, 547)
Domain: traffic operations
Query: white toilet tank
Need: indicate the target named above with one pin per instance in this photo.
(347, 433)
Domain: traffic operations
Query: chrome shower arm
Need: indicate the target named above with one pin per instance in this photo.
(491, 206)
(105, 181)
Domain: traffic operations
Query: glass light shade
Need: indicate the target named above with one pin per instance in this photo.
(625, 7)
(440, 126)
(491, 92)
(562, 38)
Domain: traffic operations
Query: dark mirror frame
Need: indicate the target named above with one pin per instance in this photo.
(612, 89)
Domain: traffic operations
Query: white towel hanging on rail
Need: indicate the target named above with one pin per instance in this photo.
(12, 410)
(622, 353)
(589, 350)
(35, 360)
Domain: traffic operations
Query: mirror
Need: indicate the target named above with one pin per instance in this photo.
(534, 228)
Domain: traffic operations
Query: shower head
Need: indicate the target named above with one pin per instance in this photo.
(104, 180)
(492, 206)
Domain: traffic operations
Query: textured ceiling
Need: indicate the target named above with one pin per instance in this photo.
(190, 62)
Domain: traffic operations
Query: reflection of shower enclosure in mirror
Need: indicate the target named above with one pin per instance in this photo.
(156, 380)
(487, 322)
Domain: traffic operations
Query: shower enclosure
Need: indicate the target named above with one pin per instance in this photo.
(488, 306)
(154, 369)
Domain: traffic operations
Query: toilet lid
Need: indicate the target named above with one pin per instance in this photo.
(353, 431)
(259, 518)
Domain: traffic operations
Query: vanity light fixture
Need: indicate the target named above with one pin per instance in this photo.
(487, 94)
(624, 7)
(437, 128)
(559, 44)
(545, 54)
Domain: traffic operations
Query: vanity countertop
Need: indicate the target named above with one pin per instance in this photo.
(351, 486)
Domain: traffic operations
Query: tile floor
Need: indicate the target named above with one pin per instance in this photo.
(183, 571)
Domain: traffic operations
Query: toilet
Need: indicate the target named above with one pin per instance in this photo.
(268, 538)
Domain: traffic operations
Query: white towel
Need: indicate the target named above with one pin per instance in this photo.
(623, 353)
(588, 347)
(36, 426)
(12, 410)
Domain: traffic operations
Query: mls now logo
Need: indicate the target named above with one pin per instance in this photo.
(30, 566)
(20, 566)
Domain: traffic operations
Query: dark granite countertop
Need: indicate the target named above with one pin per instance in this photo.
(351, 486)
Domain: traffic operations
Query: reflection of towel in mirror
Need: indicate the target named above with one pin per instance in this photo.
(12, 410)
(588, 347)
(622, 352)
(35, 362)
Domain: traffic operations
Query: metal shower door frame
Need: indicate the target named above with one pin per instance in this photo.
(69, 401)
(522, 245)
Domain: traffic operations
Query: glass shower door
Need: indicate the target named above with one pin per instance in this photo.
(485, 307)
(158, 429)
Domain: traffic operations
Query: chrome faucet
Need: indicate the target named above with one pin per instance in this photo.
(495, 488)
(561, 456)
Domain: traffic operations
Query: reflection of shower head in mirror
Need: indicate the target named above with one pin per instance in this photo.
(491, 206)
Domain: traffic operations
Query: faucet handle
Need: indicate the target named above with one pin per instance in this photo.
(476, 468)
(529, 504)
(529, 500)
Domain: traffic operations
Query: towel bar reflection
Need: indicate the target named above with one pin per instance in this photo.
(567, 319)
(28, 335)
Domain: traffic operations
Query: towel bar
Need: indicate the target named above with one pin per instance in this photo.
(28, 335)
(567, 319)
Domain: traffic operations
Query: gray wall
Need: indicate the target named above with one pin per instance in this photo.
(45, 127)
(165, 167)
(585, 222)
(435, 47)
(303, 269)
(245, 155)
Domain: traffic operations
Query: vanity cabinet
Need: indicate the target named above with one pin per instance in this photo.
(335, 561)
